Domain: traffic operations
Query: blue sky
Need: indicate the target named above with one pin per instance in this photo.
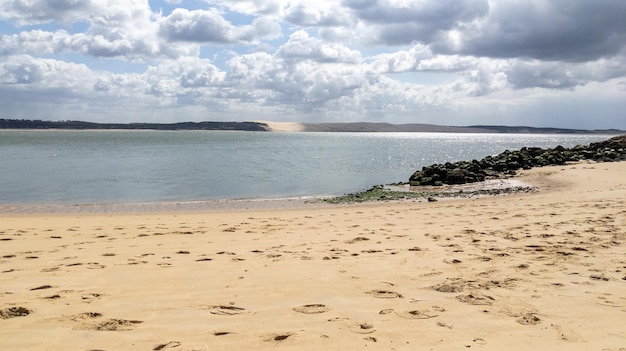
(544, 63)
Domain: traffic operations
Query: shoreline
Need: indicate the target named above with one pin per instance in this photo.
(500, 187)
(162, 206)
(299, 127)
(373, 127)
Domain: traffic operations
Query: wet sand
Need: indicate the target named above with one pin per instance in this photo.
(545, 269)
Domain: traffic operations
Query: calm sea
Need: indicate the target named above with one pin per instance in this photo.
(80, 167)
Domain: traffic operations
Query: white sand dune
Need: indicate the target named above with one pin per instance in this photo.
(284, 126)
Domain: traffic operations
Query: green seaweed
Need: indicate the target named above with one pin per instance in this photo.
(377, 193)
(380, 193)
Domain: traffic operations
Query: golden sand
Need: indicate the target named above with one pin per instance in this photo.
(543, 270)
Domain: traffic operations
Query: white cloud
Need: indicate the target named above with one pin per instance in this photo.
(24, 72)
(29, 12)
(252, 7)
(397, 22)
(557, 75)
(125, 29)
(402, 60)
(336, 34)
(304, 13)
(304, 74)
(210, 27)
(178, 77)
(554, 30)
(301, 46)
(126, 44)
(379, 60)
(319, 13)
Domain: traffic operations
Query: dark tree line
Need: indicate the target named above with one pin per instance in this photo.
(39, 124)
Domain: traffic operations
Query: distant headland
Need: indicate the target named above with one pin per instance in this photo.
(267, 126)
(424, 128)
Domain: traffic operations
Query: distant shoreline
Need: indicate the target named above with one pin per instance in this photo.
(24, 124)
(368, 127)
(269, 126)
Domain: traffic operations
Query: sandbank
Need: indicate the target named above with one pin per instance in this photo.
(543, 270)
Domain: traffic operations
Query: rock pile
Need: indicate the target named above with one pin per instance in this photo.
(507, 163)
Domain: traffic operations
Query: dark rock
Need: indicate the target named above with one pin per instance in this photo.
(456, 176)
(508, 162)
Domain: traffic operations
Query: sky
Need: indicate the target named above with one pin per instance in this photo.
(542, 63)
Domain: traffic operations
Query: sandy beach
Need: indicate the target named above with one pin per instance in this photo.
(543, 270)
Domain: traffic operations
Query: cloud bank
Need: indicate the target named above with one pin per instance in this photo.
(457, 62)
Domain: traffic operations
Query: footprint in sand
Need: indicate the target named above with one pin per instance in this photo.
(312, 309)
(444, 325)
(52, 297)
(84, 316)
(528, 319)
(414, 314)
(13, 312)
(224, 310)
(221, 333)
(95, 265)
(84, 320)
(564, 333)
(116, 325)
(362, 328)
(600, 277)
(91, 296)
(384, 294)
(169, 345)
(42, 287)
(476, 299)
(357, 239)
(451, 287)
(278, 337)
(87, 321)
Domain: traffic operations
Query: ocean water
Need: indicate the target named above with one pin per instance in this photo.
(85, 167)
